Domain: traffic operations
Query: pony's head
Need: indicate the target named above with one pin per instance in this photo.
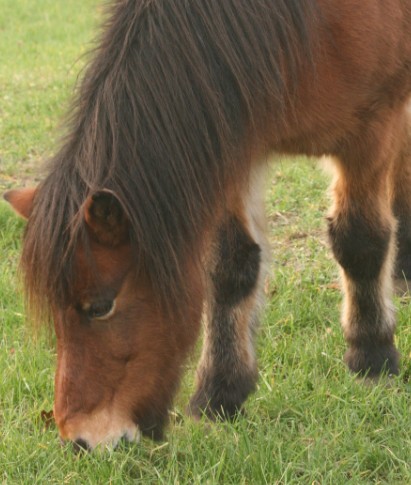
(172, 107)
(119, 351)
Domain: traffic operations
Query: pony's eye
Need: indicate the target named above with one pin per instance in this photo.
(100, 310)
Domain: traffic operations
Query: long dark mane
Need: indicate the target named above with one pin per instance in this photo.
(163, 111)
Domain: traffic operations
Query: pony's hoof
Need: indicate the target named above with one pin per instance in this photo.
(202, 407)
(402, 286)
(372, 361)
(384, 380)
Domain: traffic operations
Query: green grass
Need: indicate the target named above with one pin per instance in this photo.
(41, 49)
(309, 422)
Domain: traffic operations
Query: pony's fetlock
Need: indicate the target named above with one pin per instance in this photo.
(373, 360)
(220, 396)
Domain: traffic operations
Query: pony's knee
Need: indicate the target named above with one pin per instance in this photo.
(237, 266)
(359, 246)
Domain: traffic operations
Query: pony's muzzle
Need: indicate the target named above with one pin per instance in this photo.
(81, 445)
(78, 446)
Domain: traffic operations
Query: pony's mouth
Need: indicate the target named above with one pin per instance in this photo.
(81, 445)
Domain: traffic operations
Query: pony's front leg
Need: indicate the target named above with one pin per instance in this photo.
(362, 235)
(227, 372)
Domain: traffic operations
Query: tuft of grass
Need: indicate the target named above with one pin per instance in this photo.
(309, 421)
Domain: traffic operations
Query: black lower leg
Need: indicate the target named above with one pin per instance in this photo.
(226, 378)
(365, 253)
(227, 372)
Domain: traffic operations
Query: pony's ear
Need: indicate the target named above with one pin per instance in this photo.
(106, 218)
(21, 200)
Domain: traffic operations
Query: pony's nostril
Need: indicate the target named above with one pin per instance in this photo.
(81, 445)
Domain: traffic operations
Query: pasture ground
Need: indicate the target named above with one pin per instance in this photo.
(310, 421)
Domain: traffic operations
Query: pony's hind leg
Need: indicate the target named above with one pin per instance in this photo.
(227, 371)
(362, 235)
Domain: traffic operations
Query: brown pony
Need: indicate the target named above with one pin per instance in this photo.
(151, 214)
